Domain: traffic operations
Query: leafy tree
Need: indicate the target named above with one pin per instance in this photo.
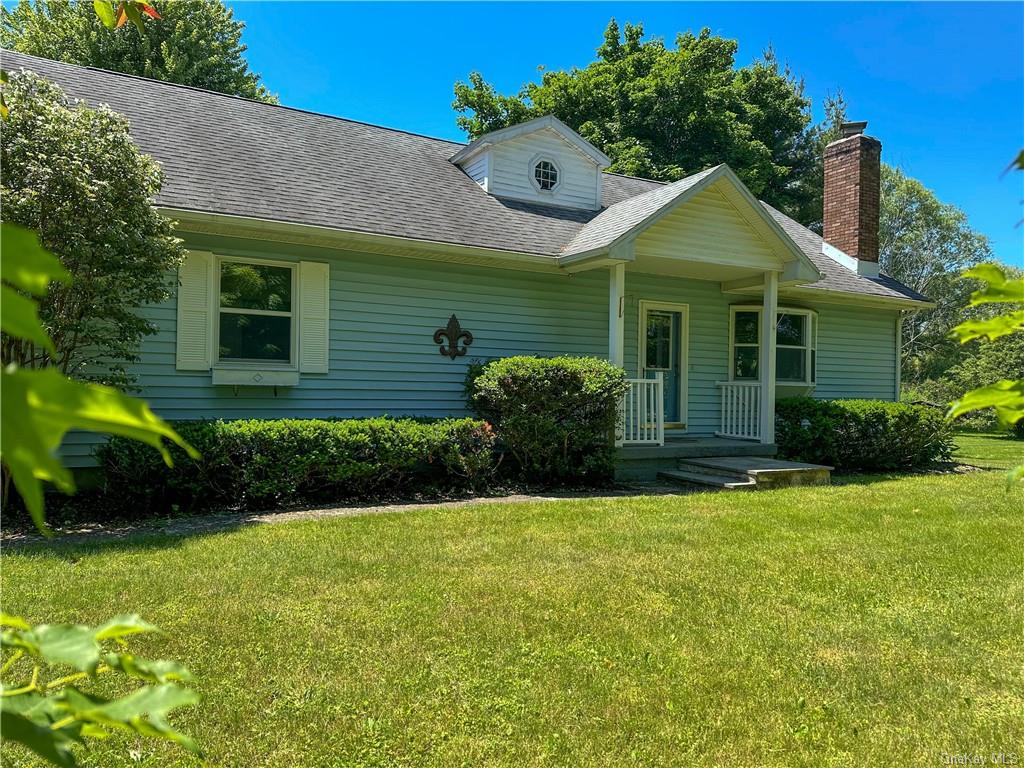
(74, 175)
(192, 42)
(926, 244)
(667, 112)
(982, 362)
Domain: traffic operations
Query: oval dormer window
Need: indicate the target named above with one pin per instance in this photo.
(545, 175)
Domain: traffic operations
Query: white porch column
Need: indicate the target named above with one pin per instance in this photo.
(616, 312)
(769, 309)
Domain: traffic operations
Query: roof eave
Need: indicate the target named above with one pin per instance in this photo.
(229, 225)
(829, 295)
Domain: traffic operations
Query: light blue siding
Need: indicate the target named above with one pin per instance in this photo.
(384, 311)
(856, 352)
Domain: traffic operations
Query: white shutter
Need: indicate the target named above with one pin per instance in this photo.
(314, 316)
(195, 312)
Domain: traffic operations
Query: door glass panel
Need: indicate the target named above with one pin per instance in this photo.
(790, 330)
(659, 341)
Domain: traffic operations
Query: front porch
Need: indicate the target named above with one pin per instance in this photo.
(704, 247)
(672, 376)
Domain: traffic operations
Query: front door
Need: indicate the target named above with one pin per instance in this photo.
(663, 350)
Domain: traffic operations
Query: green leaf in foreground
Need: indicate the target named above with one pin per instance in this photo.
(51, 745)
(1006, 397)
(27, 265)
(44, 707)
(123, 626)
(40, 407)
(992, 328)
(19, 318)
(997, 288)
(143, 711)
(105, 11)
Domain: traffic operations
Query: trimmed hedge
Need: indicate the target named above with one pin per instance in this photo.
(259, 464)
(555, 416)
(861, 434)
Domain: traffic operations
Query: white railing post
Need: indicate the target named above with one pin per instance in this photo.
(740, 409)
(642, 412)
(659, 409)
(767, 362)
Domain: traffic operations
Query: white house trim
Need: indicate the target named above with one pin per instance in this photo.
(616, 314)
(767, 361)
(549, 122)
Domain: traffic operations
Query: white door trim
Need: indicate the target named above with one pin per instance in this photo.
(683, 352)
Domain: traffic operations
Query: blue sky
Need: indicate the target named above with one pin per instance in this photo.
(941, 84)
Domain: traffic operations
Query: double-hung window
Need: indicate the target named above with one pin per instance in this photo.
(253, 321)
(795, 345)
(256, 314)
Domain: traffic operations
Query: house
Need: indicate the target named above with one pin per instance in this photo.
(339, 269)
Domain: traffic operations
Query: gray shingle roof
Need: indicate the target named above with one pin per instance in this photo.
(836, 277)
(228, 155)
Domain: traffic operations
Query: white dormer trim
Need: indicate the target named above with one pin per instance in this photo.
(548, 122)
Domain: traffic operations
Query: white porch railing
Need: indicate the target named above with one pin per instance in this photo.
(642, 413)
(741, 409)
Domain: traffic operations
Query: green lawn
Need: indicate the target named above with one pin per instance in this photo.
(870, 623)
(991, 451)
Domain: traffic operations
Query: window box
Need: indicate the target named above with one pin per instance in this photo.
(252, 377)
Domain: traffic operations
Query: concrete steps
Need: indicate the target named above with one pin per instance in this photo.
(709, 480)
(746, 473)
(645, 462)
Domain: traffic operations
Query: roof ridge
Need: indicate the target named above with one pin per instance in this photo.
(638, 178)
(233, 96)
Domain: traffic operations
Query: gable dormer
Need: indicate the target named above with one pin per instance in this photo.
(540, 161)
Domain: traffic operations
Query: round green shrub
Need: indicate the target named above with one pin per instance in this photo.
(555, 416)
(862, 434)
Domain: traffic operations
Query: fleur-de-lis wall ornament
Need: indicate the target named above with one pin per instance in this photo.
(453, 333)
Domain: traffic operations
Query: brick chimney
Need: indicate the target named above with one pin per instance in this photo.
(852, 191)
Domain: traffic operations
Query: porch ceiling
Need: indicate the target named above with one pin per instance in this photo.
(647, 263)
